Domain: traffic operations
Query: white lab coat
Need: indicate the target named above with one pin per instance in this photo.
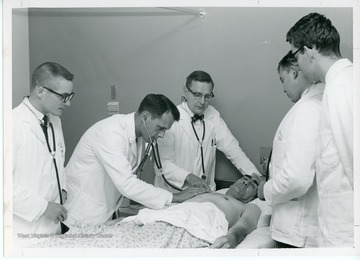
(291, 191)
(101, 169)
(34, 176)
(180, 150)
(335, 162)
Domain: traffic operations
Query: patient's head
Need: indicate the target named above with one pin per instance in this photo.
(245, 189)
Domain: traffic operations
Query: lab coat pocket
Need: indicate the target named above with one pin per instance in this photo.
(286, 217)
(277, 156)
(89, 210)
(61, 150)
(336, 215)
(213, 147)
(328, 152)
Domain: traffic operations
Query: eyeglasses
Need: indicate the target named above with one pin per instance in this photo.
(292, 57)
(65, 97)
(198, 96)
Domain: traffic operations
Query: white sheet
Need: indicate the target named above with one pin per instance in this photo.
(192, 216)
(259, 238)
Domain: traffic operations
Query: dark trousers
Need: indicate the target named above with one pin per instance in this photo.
(64, 228)
(283, 245)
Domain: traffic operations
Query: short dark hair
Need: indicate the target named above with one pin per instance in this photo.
(286, 62)
(200, 76)
(315, 30)
(157, 105)
(46, 72)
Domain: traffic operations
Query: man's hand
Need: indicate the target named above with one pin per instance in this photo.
(55, 212)
(194, 181)
(261, 190)
(187, 194)
(224, 242)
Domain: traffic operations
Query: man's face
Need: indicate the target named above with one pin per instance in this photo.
(245, 189)
(53, 103)
(289, 83)
(157, 126)
(197, 88)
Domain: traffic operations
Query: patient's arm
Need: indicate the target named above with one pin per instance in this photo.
(245, 225)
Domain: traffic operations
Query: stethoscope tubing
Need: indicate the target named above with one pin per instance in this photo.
(156, 154)
(159, 166)
(201, 146)
(52, 152)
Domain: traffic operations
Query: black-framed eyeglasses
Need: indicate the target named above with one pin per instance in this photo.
(65, 97)
(198, 96)
(292, 57)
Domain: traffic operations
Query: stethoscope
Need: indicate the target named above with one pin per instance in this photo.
(64, 228)
(156, 155)
(51, 151)
(201, 145)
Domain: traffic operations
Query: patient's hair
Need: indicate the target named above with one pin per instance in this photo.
(286, 62)
(157, 105)
(46, 72)
(242, 196)
(315, 31)
(200, 76)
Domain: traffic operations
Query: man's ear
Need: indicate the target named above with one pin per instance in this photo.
(295, 71)
(145, 115)
(183, 96)
(310, 52)
(39, 91)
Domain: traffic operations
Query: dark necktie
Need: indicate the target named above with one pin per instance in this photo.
(197, 117)
(44, 125)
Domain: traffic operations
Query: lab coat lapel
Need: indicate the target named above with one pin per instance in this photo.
(133, 148)
(209, 125)
(31, 119)
(186, 127)
(132, 140)
(185, 124)
(38, 132)
(314, 91)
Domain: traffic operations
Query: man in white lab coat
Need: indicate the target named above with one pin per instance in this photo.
(103, 166)
(36, 191)
(291, 191)
(188, 149)
(315, 44)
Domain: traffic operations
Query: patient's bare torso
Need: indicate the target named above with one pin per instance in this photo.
(231, 207)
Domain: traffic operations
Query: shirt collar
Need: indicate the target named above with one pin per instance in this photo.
(185, 106)
(336, 67)
(131, 128)
(312, 85)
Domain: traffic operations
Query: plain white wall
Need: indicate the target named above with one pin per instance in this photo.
(20, 55)
(152, 50)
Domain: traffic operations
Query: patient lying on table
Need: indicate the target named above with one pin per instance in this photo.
(242, 217)
(208, 220)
